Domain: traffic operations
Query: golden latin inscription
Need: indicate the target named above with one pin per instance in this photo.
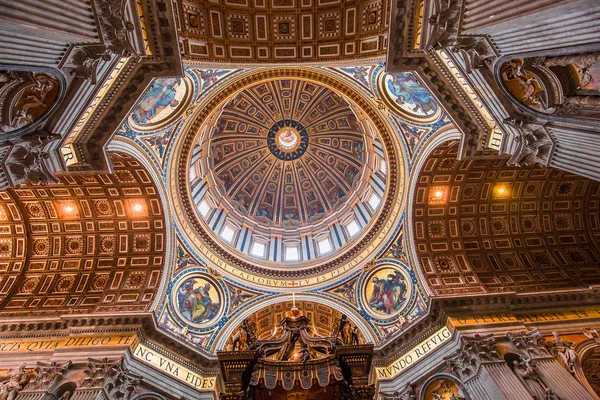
(174, 369)
(414, 355)
(28, 345)
(532, 317)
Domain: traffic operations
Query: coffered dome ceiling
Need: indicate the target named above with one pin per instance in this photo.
(288, 154)
(287, 173)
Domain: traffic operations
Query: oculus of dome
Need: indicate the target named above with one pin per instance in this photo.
(373, 233)
(287, 140)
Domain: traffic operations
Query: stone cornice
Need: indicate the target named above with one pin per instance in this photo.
(441, 308)
(141, 324)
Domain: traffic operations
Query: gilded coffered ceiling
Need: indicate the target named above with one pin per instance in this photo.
(288, 31)
(482, 226)
(93, 243)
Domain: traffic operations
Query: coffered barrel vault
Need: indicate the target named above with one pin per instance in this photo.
(482, 226)
(283, 31)
(93, 243)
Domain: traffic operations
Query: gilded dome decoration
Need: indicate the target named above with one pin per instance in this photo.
(288, 160)
(287, 174)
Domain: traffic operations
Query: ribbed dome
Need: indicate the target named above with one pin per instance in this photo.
(287, 152)
(286, 174)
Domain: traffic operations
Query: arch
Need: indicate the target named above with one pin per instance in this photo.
(148, 396)
(122, 145)
(441, 137)
(228, 330)
(61, 390)
(584, 350)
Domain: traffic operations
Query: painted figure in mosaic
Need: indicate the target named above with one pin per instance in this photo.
(200, 304)
(388, 294)
(408, 91)
(196, 303)
(159, 97)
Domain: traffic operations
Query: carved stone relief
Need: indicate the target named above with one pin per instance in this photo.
(564, 350)
(14, 382)
(535, 144)
(25, 97)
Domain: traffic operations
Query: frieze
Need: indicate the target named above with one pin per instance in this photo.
(414, 355)
(524, 317)
(174, 368)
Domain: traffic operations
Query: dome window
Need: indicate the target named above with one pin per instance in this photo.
(374, 201)
(324, 246)
(227, 233)
(203, 208)
(383, 167)
(291, 253)
(352, 228)
(258, 249)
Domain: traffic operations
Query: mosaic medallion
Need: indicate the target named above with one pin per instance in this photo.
(287, 140)
(160, 104)
(198, 300)
(404, 93)
(387, 291)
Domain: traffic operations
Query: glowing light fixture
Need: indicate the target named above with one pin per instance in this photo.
(68, 209)
(501, 190)
(437, 195)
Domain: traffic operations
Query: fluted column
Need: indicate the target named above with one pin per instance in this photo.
(577, 149)
(518, 26)
(533, 349)
(562, 383)
(70, 21)
(484, 374)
